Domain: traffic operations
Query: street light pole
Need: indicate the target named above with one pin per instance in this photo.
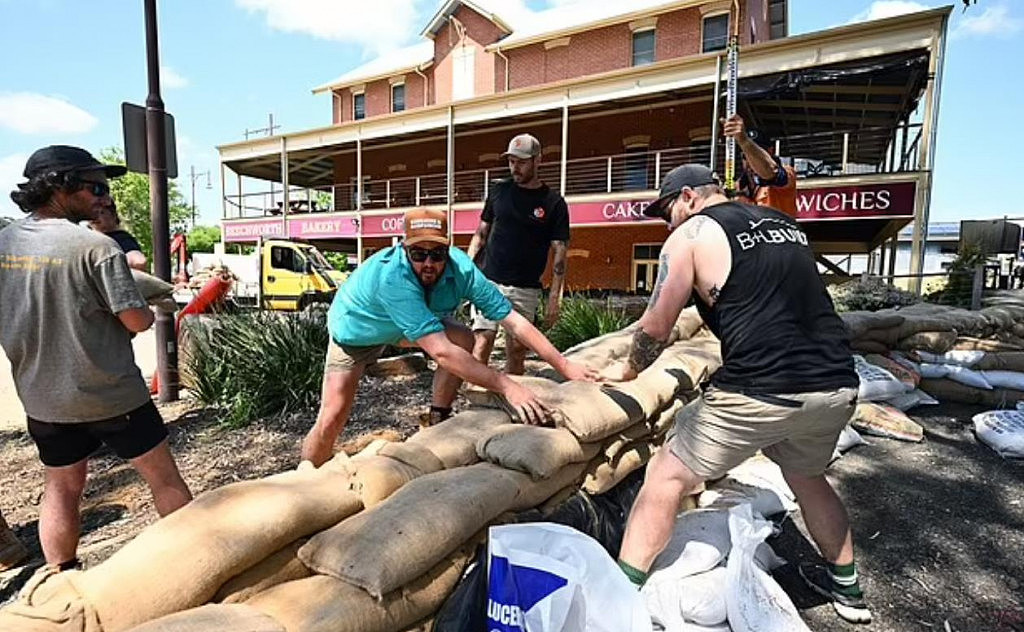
(193, 176)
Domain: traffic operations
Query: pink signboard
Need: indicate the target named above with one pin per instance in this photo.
(323, 227)
(383, 225)
(251, 230)
(894, 199)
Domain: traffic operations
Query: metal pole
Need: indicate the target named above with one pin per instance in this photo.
(565, 146)
(192, 177)
(156, 145)
(714, 112)
(286, 185)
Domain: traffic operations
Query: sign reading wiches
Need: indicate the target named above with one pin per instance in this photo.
(894, 199)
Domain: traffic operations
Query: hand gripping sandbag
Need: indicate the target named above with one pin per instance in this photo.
(183, 559)
(755, 602)
(548, 577)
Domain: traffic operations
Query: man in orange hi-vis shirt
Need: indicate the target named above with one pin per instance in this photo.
(761, 178)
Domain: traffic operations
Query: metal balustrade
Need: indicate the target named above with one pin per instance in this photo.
(825, 154)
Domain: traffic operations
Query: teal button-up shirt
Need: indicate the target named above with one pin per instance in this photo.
(383, 301)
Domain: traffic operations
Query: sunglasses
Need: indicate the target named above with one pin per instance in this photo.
(99, 189)
(419, 255)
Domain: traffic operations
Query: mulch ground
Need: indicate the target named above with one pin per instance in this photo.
(939, 525)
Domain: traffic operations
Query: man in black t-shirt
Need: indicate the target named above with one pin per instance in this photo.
(108, 222)
(522, 220)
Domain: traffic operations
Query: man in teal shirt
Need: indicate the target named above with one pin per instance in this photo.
(406, 295)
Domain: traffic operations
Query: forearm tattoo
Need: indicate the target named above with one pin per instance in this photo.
(644, 350)
(559, 269)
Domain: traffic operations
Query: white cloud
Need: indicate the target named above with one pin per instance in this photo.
(10, 175)
(32, 113)
(171, 79)
(388, 25)
(886, 9)
(993, 21)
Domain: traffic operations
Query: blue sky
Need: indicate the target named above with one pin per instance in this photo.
(68, 65)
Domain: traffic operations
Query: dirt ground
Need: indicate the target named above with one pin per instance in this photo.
(939, 525)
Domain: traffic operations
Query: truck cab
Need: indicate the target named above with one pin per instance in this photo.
(295, 275)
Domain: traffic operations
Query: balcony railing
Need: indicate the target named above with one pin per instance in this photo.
(865, 151)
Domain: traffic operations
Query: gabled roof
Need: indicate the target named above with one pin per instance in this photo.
(565, 20)
(486, 8)
(415, 57)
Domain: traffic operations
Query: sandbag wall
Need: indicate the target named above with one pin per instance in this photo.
(972, 357)
(376, 541)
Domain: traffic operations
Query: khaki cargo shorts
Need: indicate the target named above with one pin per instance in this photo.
(525, 300)
(347, 357)
(798, 431)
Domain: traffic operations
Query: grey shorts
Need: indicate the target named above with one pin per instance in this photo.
(525, 300)
(347, 357)
(798, 431)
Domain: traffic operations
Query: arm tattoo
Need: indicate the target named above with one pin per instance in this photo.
(692, 227)
(714, 293)
(559, 268)
(644, 350)
(662, 277)
(559, 259)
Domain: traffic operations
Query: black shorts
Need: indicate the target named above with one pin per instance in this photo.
(129, 435)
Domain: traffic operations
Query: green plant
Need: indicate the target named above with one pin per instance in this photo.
(960, 284)
(203, 238)
(582, 319)
(870, 294)
(338, 260)
(255, 364)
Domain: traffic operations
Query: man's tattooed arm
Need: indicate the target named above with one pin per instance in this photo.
(662, 277)
(692, 227)
(644, 350)
(714, 293)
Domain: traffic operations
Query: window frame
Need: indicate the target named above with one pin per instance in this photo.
(634, 36)
(355, 110)
(703, 31)
(393, 87)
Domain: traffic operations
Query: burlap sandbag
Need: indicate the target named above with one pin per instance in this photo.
(235, 617)
(151, 287)
(183, 559)
(653, 428)
(1018, 330)
(857, 323)
(882, 420)
(888, 337)
(603, 475)
(949, 391)
(1001, 361)
(50, 602)
(691, 361)
(454, 440)
(388, 546)
(533, 493)
(931, 341)
(395, 464)
(283, 566)
(903, 373)
(327, 604)
(537, 451)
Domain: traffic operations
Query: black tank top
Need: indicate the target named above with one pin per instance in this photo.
(778, 327)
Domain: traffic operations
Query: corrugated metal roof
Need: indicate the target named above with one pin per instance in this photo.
(390, 63)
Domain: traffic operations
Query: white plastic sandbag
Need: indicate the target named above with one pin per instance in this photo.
(1004, 379)
(544, 577)
(1001, 430)
(968, 377)
(876, 384)
(960, 357)
(849, 438)
(933, 371)
(674, 602)
(755, 602)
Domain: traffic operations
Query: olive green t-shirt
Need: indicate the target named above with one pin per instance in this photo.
(61, 287)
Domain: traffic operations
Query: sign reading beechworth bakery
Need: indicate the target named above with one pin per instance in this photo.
(894, 199)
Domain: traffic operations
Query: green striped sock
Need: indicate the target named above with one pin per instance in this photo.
(844, 579)
(635, 575)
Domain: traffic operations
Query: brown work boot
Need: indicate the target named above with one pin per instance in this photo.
(12, 551)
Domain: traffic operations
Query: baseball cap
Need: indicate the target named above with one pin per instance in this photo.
(65, 159)
(689, 175)
(523, 146)
(423, 225)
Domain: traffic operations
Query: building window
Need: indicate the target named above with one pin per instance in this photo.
(643, 47)
(715, 33)
(359, 106)
(398, 97)
(645, 267)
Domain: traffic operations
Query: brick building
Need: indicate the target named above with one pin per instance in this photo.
(618, 95)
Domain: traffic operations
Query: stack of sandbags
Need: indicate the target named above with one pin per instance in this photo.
(934, 328)
(377, 540)
(200, 277)
(973, 376)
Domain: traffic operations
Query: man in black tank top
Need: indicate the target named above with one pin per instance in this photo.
(786, 386)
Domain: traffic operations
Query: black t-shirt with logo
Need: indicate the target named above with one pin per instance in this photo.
(523, 222)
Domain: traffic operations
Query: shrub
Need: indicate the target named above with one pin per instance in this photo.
(255, 364)
(582, 319)
(871, 294)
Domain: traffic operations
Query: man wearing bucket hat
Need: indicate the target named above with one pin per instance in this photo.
(786, 386)
(68, 309)
(406, 295)
(761, 179)
(522, 221)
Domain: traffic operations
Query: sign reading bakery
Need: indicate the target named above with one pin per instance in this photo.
(895, 199)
